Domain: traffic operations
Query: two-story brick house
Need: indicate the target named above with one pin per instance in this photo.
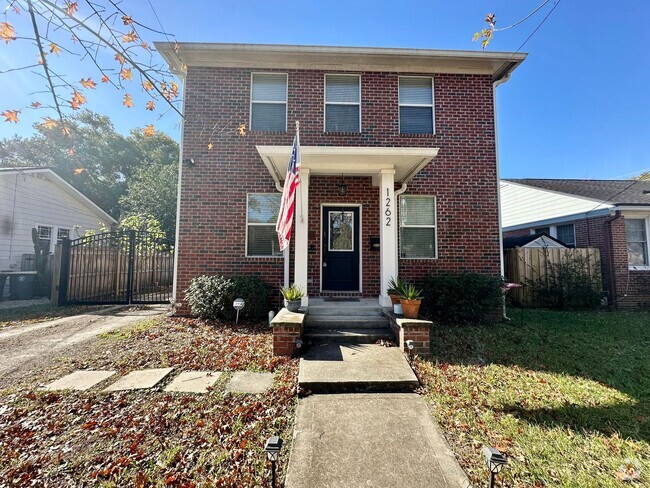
(399, 163)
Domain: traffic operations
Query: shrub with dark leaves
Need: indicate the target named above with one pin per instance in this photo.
(462, 298)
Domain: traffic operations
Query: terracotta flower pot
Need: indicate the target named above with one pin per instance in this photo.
(394, 299)
(410, 308)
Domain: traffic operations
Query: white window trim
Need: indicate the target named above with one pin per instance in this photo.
(647, 243)
(434, 226)
(256, 256)
(326, 103)
(432, 105)
(54, 234)
(286, 101)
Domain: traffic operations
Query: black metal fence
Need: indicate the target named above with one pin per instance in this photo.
(121, 267)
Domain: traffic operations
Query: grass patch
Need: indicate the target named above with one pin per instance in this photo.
(130, 330)
(39, 313)
(566, 396)
(150, 437)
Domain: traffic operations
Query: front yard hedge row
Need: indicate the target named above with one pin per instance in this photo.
(212, 297)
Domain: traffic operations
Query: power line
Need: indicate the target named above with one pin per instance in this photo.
(538, 27)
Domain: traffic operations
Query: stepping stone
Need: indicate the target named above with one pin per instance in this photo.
(247, 382)
(194, 381)
(139, 380)
(348, 368)
(80, 380)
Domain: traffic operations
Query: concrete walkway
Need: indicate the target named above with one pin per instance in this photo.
(366, 439)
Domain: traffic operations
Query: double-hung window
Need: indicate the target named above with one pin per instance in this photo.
(269, 102)
(637, 242)
(45, 237)
(416, 105)
(417, 216)
(342, 103)
(261, 217)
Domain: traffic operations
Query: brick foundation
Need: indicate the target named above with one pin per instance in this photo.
(287, 327)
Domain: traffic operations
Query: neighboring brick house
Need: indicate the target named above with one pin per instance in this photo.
(399, 165)
(612, 215)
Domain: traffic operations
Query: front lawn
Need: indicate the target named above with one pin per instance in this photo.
(566, 396)
(150, 437)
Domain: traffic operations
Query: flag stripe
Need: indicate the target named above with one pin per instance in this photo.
(287, 205)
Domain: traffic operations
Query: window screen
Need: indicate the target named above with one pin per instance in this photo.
(342, 103)
(418, 237)
(637, 242)
(416, 105)
(262, 215)
(269, 102)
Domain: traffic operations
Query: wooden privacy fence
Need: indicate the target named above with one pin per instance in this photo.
(114, 267)
(529, 265)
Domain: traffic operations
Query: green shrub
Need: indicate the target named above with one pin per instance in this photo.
(567, 284)
(462, 298)
(211, 297)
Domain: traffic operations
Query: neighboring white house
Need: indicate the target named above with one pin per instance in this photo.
(39, 198)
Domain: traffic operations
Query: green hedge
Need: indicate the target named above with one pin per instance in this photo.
(462, 298)
(211, 297)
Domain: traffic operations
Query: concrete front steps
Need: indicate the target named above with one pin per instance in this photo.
(346, 322)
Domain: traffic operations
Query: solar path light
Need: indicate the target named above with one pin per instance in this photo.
(238, 304)
(272, 450)
(495, 461)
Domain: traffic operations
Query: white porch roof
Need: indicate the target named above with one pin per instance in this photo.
(346, 160)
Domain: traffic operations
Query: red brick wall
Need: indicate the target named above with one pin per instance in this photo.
(213, 192)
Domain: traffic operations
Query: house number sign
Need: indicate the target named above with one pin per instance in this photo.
(387, 211)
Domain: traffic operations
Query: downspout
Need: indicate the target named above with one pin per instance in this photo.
(395, 195)
(178, 198)
(496, 153)
(609, 246)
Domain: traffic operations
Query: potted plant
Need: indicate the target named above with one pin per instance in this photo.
(410, 299)
(395, 287)
(292, 297)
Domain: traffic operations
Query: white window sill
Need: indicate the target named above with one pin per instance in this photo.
(639, 268)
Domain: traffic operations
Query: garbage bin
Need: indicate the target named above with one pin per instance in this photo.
(21, 285)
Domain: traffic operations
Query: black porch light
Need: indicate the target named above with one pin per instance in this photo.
(495, 461)
(343, 189)
(272, 450)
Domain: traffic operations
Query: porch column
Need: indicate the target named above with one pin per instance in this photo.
(301, 235)
(387, 232)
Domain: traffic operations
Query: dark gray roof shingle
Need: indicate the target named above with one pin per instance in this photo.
(615, 192)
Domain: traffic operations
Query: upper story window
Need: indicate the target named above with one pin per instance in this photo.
(416, 105)
(342, 103)
(637, 242)
(417, 220)
(261, 217)
(269, 102)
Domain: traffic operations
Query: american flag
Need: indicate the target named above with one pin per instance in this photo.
(287, 205)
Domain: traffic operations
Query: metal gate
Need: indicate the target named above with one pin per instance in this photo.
(121, 267)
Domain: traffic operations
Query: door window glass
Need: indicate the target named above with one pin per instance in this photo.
(341, 231)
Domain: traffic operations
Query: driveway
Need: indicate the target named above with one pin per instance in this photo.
(31, 347)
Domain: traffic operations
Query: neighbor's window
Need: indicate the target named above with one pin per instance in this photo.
(417, 216)
(342, 103)
(415, 105)
(45, 237)
(261, 217)
(566, 233)
(62, 234)
(269, 102)
(542, 230)
(637, 242)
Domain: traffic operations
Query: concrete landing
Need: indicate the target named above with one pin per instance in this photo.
(194, 381)
(140, 380)
(249, 382)
(378, 440)
(339, 368)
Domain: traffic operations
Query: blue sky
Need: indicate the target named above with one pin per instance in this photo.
(578, 107)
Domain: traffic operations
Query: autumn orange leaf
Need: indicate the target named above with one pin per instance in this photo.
(105, 79)
(7, 32)
(151, 105)
(36, 104)
(127, 19)
(242, 129)
(210, 146)
(130, 37)
(119, 58)
(77, 100)
(126, 74)
(149, 130)
(88, 83)
(72, 8)
(11, 115)
(54, 49)
(128, 101)
(144, 45)
(147, 85)
(49, 123)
